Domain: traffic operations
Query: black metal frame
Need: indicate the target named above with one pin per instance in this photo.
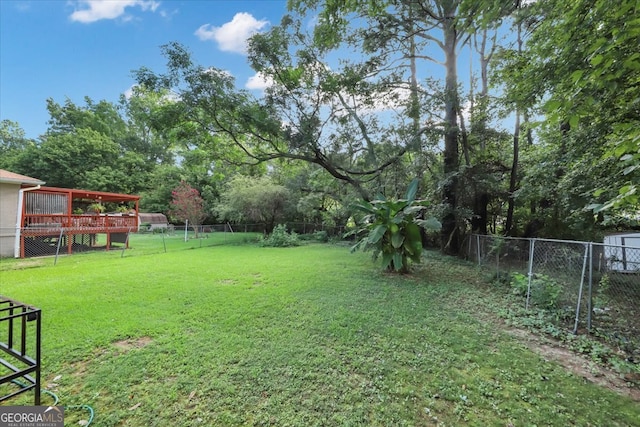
(16, 315)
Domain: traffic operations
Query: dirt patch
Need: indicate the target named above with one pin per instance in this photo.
(129, 344)
(575, 363)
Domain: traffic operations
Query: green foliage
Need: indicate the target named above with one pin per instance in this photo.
(68, 159)
(102, 117)
(318, 236)
(602, 298)
(96, 208)
(157, 197)
(392, 229)
(321, 236)
(12, 142)
(583, 344)
(280, 238)
(256, 199)
(545, 292)
(589, 94)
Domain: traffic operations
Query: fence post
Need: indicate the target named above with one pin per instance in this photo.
(532, 247)
(55, 260)
(584, 268)
(590, 301)
(126, 243)
(478, 249)
(498, 246)
(164, 244)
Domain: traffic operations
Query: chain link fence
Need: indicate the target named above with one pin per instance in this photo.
(585, 285)
(58, 241)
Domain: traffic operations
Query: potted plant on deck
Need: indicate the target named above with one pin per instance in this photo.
(96, 208)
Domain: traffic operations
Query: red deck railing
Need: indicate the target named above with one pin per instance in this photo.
(36, 224)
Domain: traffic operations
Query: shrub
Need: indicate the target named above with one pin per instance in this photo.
(280, 238)
(321, 236)
(318, 236)
(545, 292)
(602, 299)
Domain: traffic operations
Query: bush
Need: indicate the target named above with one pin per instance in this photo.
(545, 292)
(321, 236)
(317, 236)
(280, 238)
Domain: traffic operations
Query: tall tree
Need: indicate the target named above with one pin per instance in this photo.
(13, 142)
(84, 147)
(149, 117)
(581, 64)
(102, 117)
(256, 199)
(156, 197)
(68, 159)
(313, 113)
(441, 24)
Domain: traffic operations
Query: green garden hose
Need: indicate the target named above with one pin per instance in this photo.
(56, 400)
(87, 407)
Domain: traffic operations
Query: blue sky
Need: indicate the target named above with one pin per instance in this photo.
(72, 49)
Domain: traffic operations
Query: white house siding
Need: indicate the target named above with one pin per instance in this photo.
(623, 251)
(8, 214)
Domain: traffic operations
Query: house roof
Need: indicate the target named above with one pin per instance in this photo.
(102, 196)
(153, 218)
(16, 178)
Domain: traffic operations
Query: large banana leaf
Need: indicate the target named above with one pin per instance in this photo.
(377, 233)
(397, 239)
(412, 189)
(397, 261)
(429, 223)
(393, 229)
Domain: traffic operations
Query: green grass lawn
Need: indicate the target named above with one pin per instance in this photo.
(242, 335)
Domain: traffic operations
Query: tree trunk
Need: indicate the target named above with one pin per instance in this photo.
(513, 176)
(450, 234)
(481, 197)
(480, 220)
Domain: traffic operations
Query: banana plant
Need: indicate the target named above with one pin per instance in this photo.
(391, 229)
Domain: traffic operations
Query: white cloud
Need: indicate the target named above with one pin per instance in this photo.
(465, 109)
(213, 71)
(130, 92)
(232, 36)
(88, 11)
(135, 90)
(23, 6)
(392, 100)
(258, 82)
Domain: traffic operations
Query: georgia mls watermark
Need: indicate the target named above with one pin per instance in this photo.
(31, 416)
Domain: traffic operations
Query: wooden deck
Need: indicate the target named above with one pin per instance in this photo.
(48, 220)
(74, 228)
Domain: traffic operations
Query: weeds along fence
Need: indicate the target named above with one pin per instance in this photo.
(583, 285)
(55, 242)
